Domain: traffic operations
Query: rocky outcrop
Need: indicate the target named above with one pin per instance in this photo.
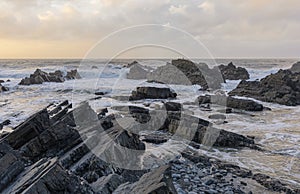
(39, 77)
(296, 67)
(282, 87)
(228, 101)
(157, 181)
(152, 93)
(73, 74)
(138, 71)
(4, 123)
(185, 72)
(3, 88)
(231, 72)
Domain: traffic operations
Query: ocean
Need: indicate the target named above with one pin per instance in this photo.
(277, 131)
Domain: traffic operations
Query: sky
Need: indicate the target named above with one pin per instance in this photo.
(110, 28)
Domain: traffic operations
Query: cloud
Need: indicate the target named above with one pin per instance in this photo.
(245, 25)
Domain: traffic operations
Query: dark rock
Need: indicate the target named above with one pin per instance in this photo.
(232, 72)
(282, 87)
(48, 177)
(217, 116)
(39, 76)
(200, 131)
(11, 165)
(156, 138)
(8, 80)
(236, 103)
(6, 122)
(1, 81)
(132, 63)
(3, 88)
(185, 72)
(273, 184)
(73, 74)
(137, 71)
(173, 106)
(107, 184)
(152, 93)
(29, 129)
(296, 67)
(156, 181)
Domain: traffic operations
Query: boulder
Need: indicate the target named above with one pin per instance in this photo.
(3, 88)
(231, 72)
(173, 106)
(73, 74)
(138, 71)
(185, 72)
(282, 87)
(296, 67)
(6, 122)
(152, 93)
(228, 101)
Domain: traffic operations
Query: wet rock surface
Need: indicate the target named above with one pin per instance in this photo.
(185, 72)
(62, 149)
(230, 102)
(3, 88)
(39, 77)
(295, 67)
(231, 72)
(152, 93)
(282, 87)
(137, 71)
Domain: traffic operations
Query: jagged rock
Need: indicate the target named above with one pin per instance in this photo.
(11, 165)
(6, 122)
(39, 76)
(29, 129)
(200, 131)
(185, 72)
(173, 106)
(132, 63)
(138, 71)
(236, 103)
(156, 181)
(232, 72)
(282, 87)
(48, 177)
(3, 88)
(152, 93)
(107, 184)
(296, 67)
(73, 74)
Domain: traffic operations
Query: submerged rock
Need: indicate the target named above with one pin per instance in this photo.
(185, 72)
(152, 93)
(231, 72)
(282, 87)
